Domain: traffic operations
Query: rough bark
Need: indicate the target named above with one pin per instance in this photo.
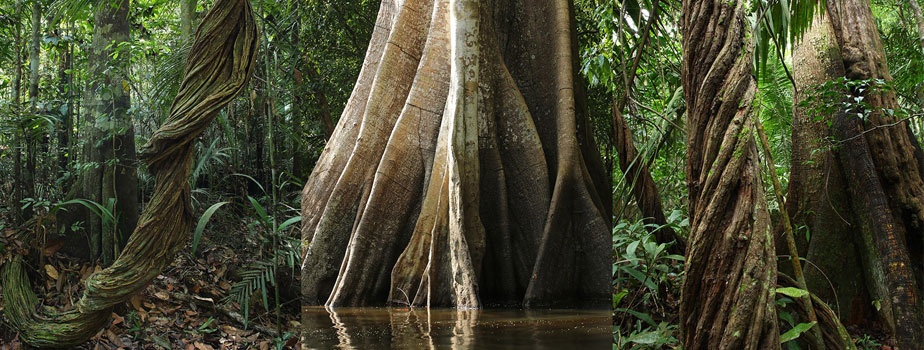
(819, 204)
(461, 172)
(881, 163)
(220, 64)
(727, 299)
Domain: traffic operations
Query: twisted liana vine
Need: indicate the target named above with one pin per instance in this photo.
(219, 66)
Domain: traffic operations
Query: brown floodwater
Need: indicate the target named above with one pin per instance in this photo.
(401, 328)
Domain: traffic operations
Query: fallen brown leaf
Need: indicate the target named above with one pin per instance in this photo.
(162, 295)
(52, 272)
(52, 247)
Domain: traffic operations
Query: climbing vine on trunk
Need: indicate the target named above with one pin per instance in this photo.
(727, 300)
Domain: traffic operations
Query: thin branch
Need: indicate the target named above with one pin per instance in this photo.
(876, 127)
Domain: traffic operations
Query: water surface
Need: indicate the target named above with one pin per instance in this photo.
(401, 328)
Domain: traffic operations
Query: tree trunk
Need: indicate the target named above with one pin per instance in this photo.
(220, 64)
(817, 201)
(727, 298)
(918, 18)
(327, 121)
(881, 164)
(35, 45)
(65, 91)
(18, 216)
(635, 170)
(188, 19)
(111, 141)
(461, 172)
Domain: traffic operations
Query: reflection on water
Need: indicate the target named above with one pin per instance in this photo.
(399, 328)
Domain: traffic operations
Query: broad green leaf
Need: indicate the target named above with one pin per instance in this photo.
(645, 338)
(792, 292)
(204, 220)
(796, 331)
(640, 315)
(260, 210)
(285, 224)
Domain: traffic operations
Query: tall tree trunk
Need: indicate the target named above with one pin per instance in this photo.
(35, 45)
(728, 295)
(65, 92)
(187, 19)
(19, 131)
(918, 18)
(635, 169)
(882, 167)
(817, 201)
(111, 141)
(327, 121)
(462, 171)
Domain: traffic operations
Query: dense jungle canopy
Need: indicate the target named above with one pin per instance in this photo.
(722, 174)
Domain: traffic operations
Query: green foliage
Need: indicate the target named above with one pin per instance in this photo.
(848, 95)
(104, 212)
(779, 23)
(774, 105)
(643, 274)
(792, 292)
(261, 274)
(792, 327)
(866, 342)
(905, 57)
(646, 337)
(204, 220)
(796, 331)
(254, 277)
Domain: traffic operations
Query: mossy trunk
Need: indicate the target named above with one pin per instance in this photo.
(16, 198)
(727, 300)
(109, 150)
(462, 172)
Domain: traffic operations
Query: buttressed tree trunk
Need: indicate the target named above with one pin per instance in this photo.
(727, 300)
(461, 172)
(220, 64)
(882, 167)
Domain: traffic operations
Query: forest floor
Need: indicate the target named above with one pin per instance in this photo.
(185, 307)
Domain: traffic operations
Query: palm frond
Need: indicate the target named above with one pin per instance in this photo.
(779, 23)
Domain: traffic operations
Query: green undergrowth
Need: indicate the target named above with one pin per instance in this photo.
(646, 285)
